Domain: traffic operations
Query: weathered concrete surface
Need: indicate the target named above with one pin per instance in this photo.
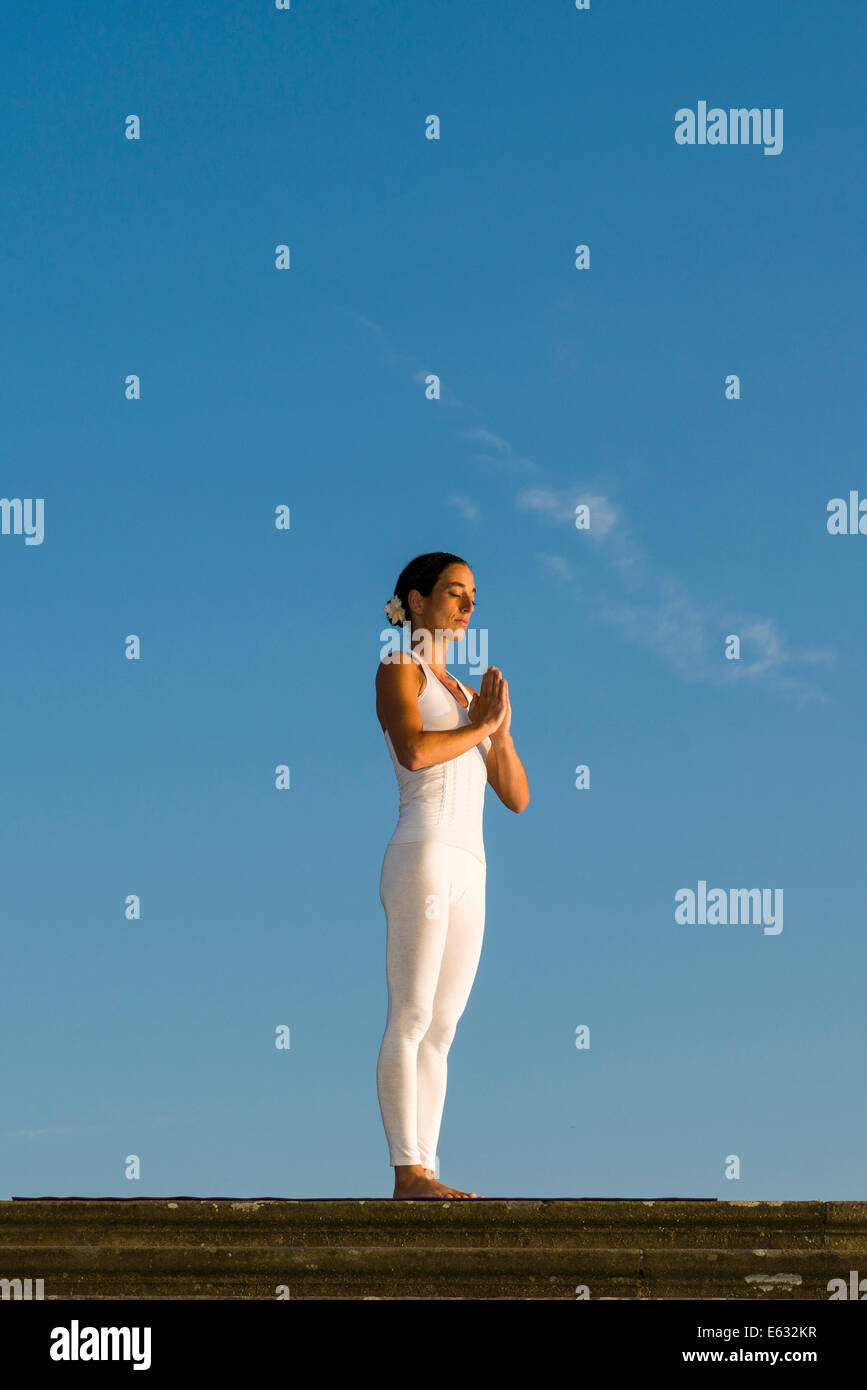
(519, 1248)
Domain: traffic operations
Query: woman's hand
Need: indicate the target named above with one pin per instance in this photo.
(504, 730)
(491, 706)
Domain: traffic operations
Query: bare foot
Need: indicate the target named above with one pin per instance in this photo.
(415, 1181)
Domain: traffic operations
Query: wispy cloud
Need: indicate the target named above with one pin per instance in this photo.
(659, 612)
(469, 509)
(499, 453)
(561, 506)
(414, 370)
(422, 375)
(50, 1132)
(649, 607)
(558, 567)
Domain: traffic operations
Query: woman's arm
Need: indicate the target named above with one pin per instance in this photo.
(506, 774)
(415, 747)
(505, 770)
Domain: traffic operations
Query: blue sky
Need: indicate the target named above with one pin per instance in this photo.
(305, 387)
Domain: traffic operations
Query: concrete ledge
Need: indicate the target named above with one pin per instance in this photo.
(521, 1248)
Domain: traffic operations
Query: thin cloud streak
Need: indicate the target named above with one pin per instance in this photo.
(469, 509)
(667, 619)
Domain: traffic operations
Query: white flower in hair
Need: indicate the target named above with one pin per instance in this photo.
(394, 609)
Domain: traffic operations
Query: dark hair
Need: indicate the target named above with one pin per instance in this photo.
(422, 573)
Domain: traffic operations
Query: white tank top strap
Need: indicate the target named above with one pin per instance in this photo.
(428, 674)
(423, 664)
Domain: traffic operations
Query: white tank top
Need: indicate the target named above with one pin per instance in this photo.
(444, 802)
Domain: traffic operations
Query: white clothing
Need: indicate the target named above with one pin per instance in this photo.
(443, 802)
(432, 888)
(434, 900)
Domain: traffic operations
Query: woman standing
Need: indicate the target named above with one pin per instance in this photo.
(446, 741)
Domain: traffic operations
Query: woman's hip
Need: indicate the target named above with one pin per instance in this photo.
(426, 866)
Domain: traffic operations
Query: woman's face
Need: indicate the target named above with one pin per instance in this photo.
(449, 605)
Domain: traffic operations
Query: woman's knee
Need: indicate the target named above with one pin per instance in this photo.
(410, 1022)
(441, 1032)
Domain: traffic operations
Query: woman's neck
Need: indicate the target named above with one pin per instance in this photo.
(436, 658)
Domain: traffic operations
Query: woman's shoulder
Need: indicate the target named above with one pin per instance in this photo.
(397, 661)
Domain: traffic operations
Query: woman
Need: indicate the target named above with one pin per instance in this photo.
(447, 741)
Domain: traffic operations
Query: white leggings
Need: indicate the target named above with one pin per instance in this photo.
(434, 900)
